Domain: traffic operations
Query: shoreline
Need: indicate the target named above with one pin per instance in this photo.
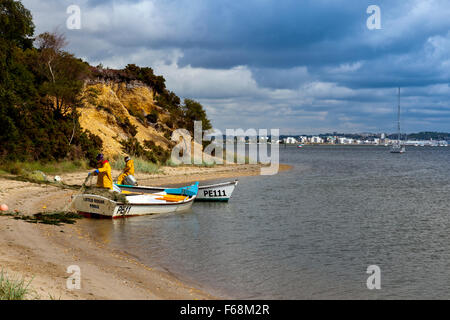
(186, 175)
(44, 252)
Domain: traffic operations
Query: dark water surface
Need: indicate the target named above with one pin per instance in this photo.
(311, 232)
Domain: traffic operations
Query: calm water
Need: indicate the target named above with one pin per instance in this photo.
(311, 233)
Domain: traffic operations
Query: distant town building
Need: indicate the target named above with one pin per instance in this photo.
(316, 140)
(303, 139)
(344, 140)
(290, 140)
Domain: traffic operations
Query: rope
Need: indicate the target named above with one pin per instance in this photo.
(80, 191)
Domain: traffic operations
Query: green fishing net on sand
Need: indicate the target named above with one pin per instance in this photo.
(115, 196)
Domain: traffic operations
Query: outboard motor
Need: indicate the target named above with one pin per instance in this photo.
(130, 180)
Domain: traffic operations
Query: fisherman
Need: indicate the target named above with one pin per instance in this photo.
(103, 173)
(129, 170)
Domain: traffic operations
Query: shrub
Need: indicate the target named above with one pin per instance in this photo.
(12, 167)
(127, 126)
(150, 151)
(133, 147)
(153, 116)
(107, 108)
(13, 289)
(91, 145)
(159, 153)
(140, 165)
(137, 114)
(169, 123)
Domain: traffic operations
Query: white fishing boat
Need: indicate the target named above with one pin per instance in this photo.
(169, 201)
(214, 192)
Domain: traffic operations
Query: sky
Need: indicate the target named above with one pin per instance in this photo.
(302, 66)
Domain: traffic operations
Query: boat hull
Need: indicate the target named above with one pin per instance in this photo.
(398, 149)
(94, 205)
(215, 192)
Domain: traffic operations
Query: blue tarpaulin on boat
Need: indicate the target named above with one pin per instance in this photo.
(184, 191)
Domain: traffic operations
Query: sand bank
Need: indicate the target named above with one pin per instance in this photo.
(44, 252)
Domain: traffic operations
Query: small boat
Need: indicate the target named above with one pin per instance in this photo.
(300, 146)
(397, 148)
(136, 205)
(214, 192)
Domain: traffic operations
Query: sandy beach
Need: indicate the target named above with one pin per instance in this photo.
(42, 253)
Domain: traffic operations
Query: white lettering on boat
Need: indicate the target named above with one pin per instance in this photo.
(94, 200)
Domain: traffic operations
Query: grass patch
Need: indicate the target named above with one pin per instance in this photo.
(13, 289)
(170, 163)
(58, 167)
(140, 165)
(56, 218)
(39, 179)
(51, 297)
(206, 164)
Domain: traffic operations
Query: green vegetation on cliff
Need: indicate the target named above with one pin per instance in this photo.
(41, 98)
(39, 90)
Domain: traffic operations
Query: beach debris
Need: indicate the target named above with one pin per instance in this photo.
(38, 176)
(4, 207)
(57, 179)
(55, 218)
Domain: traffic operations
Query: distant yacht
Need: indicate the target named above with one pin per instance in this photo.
(397, 146)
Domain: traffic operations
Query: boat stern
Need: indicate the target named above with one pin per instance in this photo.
(94, 205)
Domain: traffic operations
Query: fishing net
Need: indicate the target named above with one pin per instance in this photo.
(112, 195)
(88, 188)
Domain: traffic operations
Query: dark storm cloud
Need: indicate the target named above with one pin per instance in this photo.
(312, 63)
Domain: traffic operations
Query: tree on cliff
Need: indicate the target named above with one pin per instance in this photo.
(61, 72)
(194, 111)
(16, 25)
(32, 126)
(16, 86)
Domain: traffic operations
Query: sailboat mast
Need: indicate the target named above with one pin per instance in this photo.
(398, 122)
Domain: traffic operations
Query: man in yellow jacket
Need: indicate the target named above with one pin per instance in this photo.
(103, 173)
(129, 170)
